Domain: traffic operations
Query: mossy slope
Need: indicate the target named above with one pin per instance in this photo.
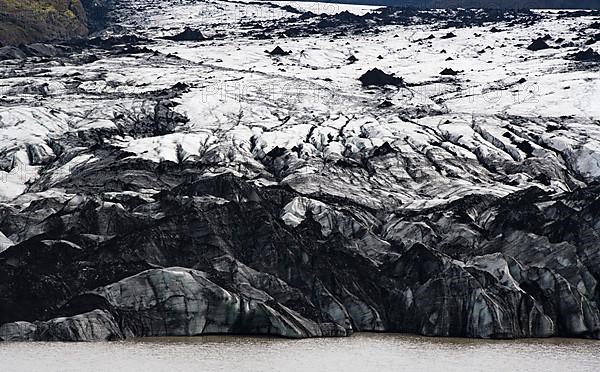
(27, 21)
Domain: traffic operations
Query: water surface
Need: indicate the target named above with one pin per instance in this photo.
(361, 352)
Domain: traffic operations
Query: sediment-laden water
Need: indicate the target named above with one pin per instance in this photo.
(361, 352)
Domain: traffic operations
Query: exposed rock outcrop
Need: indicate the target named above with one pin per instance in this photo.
(28, 21)
(34, 21)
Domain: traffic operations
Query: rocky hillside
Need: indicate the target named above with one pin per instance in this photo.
(27, 21)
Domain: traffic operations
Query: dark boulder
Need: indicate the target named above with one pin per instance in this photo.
(376, 77)
(449, 35)
(188, 34)
(449, 72)
(385, 104)
(588, 55)
(538, 44)
(307, 15)
(278, 51)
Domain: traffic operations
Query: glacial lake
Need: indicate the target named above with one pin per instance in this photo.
(361, 352)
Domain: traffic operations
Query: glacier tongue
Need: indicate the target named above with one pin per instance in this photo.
(454, 194)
